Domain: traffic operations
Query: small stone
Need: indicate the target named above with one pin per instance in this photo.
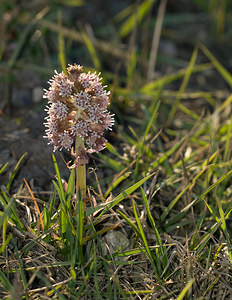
(113, 241)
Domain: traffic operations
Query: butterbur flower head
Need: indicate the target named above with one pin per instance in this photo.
(77, 108)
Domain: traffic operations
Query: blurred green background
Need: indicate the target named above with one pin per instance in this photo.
(111, 36)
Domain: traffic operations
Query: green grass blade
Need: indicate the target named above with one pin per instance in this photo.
(109, 287)
(185, 290)
(113, 150)
(157, 269)
(138, 251)
(116, 183)
(110, 204)
(91, 50)
(132, 225)
(151, 122)
(152, 222)
(168, 153)
(200, 246)
(189, 112)
(185, 81)
(174, 201)
(6, 213)
(22, 272)
(61, 189)
(5, 282)
(216, 183)
(228, 141)
(57, 188)
(221, 222)
(71, 183)
(15, 171)
(95, 275)
(4, 239)
(115, 165)
(5, 201)
(20, 45)
(65, 218)
(177, 217)
(221, 212)
(161, 252)
(212, 212)
(137, 16)
(122, 14)
(52, 204)
(61, 47)
(48, 212)
(167, 166)
(73, 3)
(131, 67)
(225, 104)
(3, 168)
(51, 287)
(224, 73)
(158, 83)
(124, 194)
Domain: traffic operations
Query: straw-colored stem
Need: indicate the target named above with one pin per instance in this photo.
(80, 171)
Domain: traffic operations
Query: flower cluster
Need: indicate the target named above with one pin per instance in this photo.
(77, 108)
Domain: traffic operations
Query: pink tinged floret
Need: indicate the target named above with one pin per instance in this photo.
(107, 120)
(95, 77)
(80, 129)
(85, 80)
(51, 125)
(95, 113)
(103, 100)
(52, 133)
(58, 110)
(88, 80)
(51, 94)
(66, 88)
(60, 85)
(53, 140)
(82, 100)
(58, 78)
(65, 140)
(97, 88)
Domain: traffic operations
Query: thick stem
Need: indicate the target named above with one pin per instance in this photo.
(80, 171)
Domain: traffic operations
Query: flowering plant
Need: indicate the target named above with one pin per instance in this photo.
(77, 112)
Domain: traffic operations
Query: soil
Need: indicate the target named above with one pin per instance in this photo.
(22, 131)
